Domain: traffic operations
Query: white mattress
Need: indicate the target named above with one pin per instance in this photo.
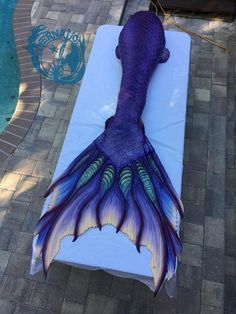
(164, 118)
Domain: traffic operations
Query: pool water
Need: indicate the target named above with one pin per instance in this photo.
(9, 69)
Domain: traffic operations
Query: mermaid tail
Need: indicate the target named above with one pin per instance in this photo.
(119, 179)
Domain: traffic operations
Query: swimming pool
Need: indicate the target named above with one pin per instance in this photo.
(9, 69)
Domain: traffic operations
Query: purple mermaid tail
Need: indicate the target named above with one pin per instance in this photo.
(119, 179)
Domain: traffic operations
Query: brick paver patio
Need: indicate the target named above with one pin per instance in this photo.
(206, 276)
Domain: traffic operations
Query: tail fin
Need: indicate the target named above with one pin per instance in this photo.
(138, 199)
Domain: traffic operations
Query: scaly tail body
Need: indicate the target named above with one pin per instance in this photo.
(119, 179)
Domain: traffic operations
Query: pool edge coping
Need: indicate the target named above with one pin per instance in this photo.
(30, 84)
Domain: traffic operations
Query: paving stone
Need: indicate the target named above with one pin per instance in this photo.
(219, 105)
(101, 304)
(24, 243)
(44, 311)
(26, 189)
(214, 204)
(230, 161)
(19, 206)
(63, 110)
(194, 213)
(230, 89)
(100, 283)
(54, 297)
(230, 292)
(214, 233)
(193, 233)
(2, 174)
(216, 161)
(21, 166)
(38, 295)
(5, 198)
(165, 308)
(218, 125)
(202, 94)
(44, 169)
(230, 110)
(23, 309)
(219, 90)
(188, 301)
(16, 289)
(49, 129)
(12, 218)
(39, 276)
(200, 126)
(212, 293)
(30, 222)
(213, 265)
(194, 195)
(206, 309)
(47, 109)
(115, 12)
(230, 266)
(37, 203)
(189, 276)
(62, 95)
(192, 255)
(77, 18)
(142, 294)
(18, 265)
(201, 107)
(58, 140)
(52, 15)
(58, 274)
(4, 259)
(204, 66)
(10, 181)
(63, 126)
(201, 82)
(7, 307)
(197, 163)
(217, 142)
(122, 288)
(42, 186)
(137, 308)
(111, 306)
(194, 178)
(163, 296)
(216, 181)
(219, 78)
(196, 146)
(4, 164)
(230, 240)
(37, 150)
(53, 156)
(78, 285)
(231, 179)
(72, 308)
(124, 307)
(8, 238)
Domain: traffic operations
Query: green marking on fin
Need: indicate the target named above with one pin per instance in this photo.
(82, 160)
(107, 178)
(125, 180)
(146, 181)
(155, 168)
(90, 171)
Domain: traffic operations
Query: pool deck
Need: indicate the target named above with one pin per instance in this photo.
(206, 276)
(30, 84)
